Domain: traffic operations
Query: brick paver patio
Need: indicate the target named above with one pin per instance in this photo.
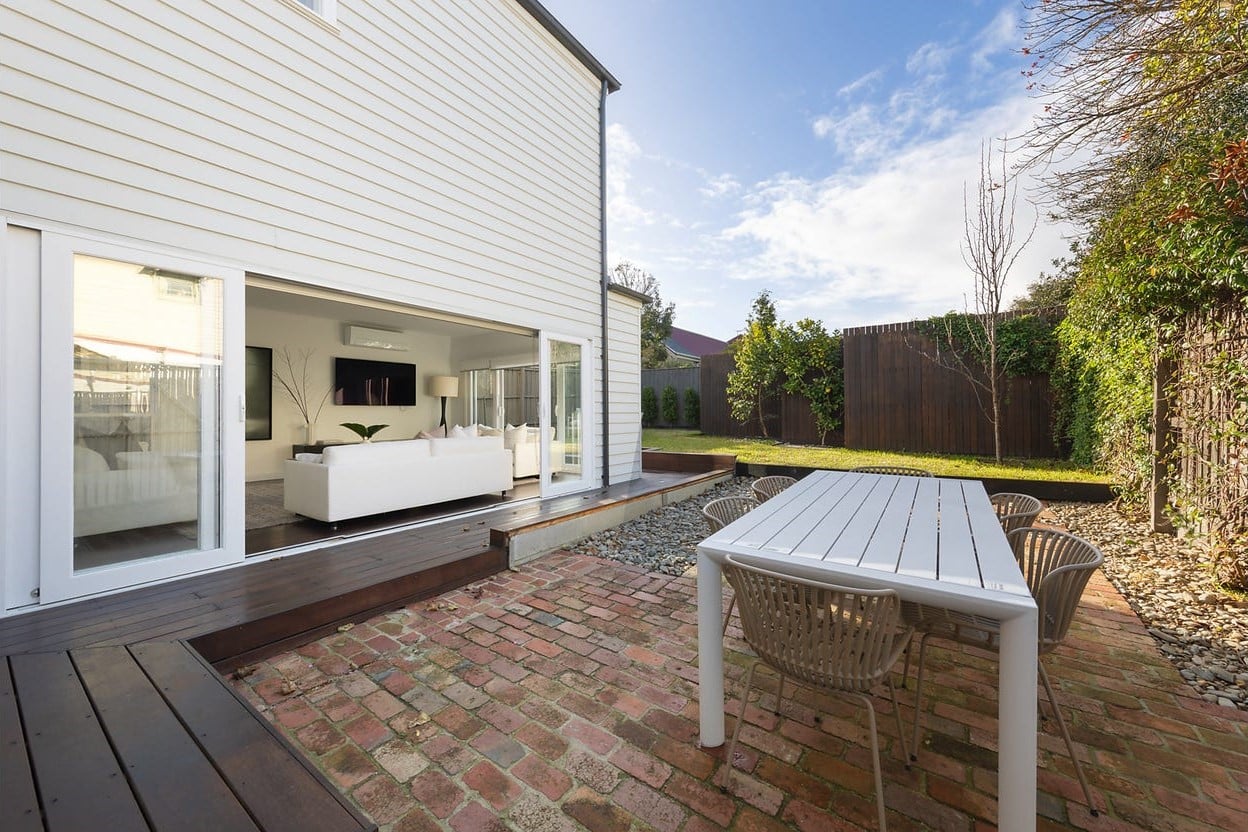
(563, 696)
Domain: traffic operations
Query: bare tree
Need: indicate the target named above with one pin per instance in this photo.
(968, 343)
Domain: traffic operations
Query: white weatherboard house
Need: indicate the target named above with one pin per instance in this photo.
(403, 196)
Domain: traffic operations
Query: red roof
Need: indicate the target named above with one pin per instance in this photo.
(684, 342)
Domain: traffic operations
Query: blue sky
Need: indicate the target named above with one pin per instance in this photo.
(816, 148)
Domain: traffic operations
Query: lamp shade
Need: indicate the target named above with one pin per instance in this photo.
(444, 386)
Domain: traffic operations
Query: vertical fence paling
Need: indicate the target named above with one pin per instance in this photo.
(896, 399)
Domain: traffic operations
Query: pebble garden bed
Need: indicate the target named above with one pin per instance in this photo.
(1202, 629)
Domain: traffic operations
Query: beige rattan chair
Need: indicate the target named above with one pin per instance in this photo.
(1015, 511)
(836, 639)
(719, 513)
(765, 488)
(896, 470)
(1056, 566)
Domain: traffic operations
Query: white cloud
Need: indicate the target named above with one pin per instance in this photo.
(622, 151)
(930, 59)
(1001, 35)
(862, 83)
(881, 244)
(721, 185)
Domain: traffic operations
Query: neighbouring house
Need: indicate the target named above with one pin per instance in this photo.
(684, 345)
(405, 198)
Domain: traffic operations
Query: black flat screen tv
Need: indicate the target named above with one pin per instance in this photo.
(379, 383)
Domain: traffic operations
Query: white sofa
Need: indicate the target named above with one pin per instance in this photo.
(375, 477)
(525, 445)
(145, 489)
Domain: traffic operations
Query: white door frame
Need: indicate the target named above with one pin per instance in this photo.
(57, 577)
(550, 488)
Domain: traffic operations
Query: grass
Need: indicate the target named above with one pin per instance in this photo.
(766, 451)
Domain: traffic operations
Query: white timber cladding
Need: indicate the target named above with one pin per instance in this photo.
(443, 153)
(624, 377)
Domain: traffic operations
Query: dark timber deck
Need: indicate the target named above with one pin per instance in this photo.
(148, 738)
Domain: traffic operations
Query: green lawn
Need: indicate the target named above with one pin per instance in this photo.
(770, 452)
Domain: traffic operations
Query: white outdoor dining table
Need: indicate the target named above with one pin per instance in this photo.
(934, 541)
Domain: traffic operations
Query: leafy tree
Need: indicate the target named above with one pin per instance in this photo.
(671, 405)
(693, 408)
(656, 318)
(1052, 290)
(812, 362)
(649, 407)
(757, 364)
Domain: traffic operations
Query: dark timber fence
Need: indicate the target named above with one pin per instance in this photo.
(896, 399)
(681, 378)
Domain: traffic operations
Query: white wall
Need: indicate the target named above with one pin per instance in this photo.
(19, 416)
(271, 328)
(442, 153)
(624, 385)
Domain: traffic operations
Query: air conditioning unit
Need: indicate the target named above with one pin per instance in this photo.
(367, 336)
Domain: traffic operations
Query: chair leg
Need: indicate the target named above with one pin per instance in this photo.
(732, 602)
(780, 694)
(875, 761)
(918, 694)
(736, 732)
(901, 732)
(1070, 746)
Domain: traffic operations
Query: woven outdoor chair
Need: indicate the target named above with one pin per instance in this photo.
(1015, 511)
(836, 639)
(1056, 566)
(765, 488)
(896, 470)
(719, 513)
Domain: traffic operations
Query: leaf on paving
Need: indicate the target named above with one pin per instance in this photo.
(421, 718)
(244, 671)
(287, 688)
(345, 627)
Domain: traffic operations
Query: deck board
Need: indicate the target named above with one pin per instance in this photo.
(19, 805)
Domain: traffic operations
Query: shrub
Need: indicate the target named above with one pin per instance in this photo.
(693, 408)
(649, 407)
(671, 405)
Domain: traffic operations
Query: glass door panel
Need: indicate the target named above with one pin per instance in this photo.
(146, 427)
(565, 415)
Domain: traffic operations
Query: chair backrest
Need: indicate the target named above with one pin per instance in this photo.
(896, 470)
(721, 512)
(765, 488)
(830, 636)
(1056, 566)
(1015, 511)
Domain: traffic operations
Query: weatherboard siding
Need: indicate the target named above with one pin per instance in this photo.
(624, 374)
(442, 153)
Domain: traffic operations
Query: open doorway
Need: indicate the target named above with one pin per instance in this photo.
(337, 359)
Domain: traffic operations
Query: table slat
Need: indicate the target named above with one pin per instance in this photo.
(998, 573)
(820, 536)
(918, 552)
(177, 786)
(277, 788)
(894, 527)
(758, 528)
(80, 781)
(956, 561)
(19, 805)
(857, 537)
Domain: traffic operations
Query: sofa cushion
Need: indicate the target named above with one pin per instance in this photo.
(372, 452)
(486, 430)
(467, 445)
(458, 432)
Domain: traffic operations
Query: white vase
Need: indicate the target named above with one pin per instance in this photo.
(309, 433)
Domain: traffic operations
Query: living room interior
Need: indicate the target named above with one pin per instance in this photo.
(482, 376)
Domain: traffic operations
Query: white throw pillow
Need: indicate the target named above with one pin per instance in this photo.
(486, 430)
(308, 458)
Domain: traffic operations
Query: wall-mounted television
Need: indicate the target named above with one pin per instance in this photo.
(375, 383)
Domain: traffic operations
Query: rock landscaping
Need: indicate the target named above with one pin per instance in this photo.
(1198, 626)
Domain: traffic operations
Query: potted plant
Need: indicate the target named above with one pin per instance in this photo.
(365, 432)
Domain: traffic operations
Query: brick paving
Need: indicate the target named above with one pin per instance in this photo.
(563, 696)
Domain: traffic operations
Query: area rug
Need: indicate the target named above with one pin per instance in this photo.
(264, 505)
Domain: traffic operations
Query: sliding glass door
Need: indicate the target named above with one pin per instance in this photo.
(566, 417)
(141, 441)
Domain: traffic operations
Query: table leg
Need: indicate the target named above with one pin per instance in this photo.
(1016, 762)
(711, 651)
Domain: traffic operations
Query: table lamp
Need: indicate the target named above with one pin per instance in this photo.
(445, 387)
